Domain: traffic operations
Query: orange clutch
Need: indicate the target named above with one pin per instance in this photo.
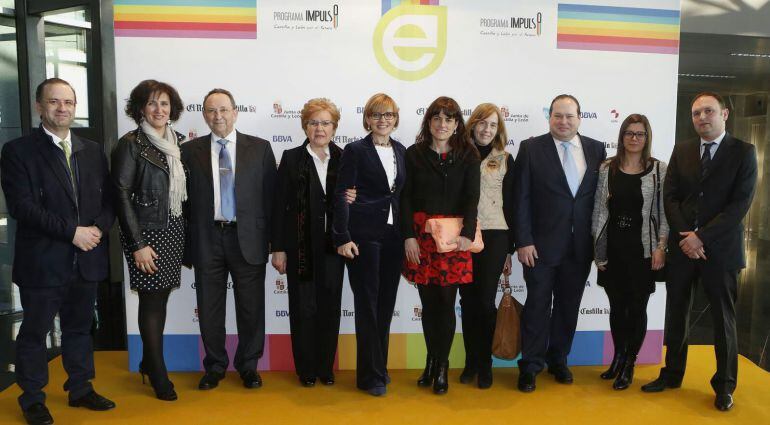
(446, 231)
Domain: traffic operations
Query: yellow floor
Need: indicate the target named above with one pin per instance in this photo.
(282, 401)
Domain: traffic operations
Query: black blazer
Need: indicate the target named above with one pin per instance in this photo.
(367, 217)
(254, 185)
(546, 213)
(719, 200)
(286, 210)
(39, 194)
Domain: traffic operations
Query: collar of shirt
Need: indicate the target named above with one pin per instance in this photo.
(314, 156)
(56, 139)
(574, 142)
(230, 138)
(718, 140)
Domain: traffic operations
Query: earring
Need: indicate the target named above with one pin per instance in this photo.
(455, 132)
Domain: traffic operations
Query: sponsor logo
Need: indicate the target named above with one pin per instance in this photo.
(583, 114)
(282, 139)
(512, 26)
(515, 118)
(611, 145)
(341, 140)
(510, 142)
(410, 41)
(282, 313)
(195, 319)
(198, 107)
(614, 115)
(595, 310)
(347, 313)
(396, 313)
(421, 112)
(280, 286)
(307, 19)
(280, 113)
(192, 134)
(417, 313)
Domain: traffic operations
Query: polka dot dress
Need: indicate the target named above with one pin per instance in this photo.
(168, 243)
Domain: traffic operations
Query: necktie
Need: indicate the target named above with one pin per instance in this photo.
(226, 182)
(705, 159)
(65, 146)
(570, 169)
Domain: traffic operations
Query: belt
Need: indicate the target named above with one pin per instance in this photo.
(223, 224)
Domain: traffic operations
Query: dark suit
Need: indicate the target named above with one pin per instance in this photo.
(714, 203)
(240, 250)
(53, 275)
(375, 273)
(559, 226)
(314, 302)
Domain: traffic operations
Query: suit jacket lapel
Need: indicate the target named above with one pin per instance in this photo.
(50, 153)
(371, 153)
(243, 159)
(203, 155)
(553, 156)
(400, 165)
(591, 164)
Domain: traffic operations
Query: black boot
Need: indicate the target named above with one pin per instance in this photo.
(615, 366)
(626, 375)
(441, 383)
(426, 379)
(468, 374)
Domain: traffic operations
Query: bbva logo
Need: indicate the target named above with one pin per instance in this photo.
(410, 41)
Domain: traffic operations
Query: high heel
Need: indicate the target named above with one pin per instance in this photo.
(441, 383)
(426, 379)
(141, 371)
(163, 391)
(617, 364)
(626, 375)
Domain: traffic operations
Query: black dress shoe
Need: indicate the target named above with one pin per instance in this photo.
(468, 374)
(37, 414)
(251, 379)
(527, 382)
(441, 382)
(307, 381)
(561, 373)
(210, 380)
(485, 378)
(659, 385)
(723, 402)
(93, 401)
(329, 380)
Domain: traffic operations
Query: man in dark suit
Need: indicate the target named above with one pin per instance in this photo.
(230, 190)
(708, 190)
(555, 180)
(57, 186)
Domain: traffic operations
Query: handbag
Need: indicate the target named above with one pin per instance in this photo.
(659, 275)
(506, 342)
(446, 231)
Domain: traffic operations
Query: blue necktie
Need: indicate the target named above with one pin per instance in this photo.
(226, 182)
(570, 169)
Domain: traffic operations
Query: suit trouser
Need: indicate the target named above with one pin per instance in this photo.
(721, 290)
(477, 300)
(249, 291)
(314, 317)
(547, 328)
(75, 304)
(374, 276)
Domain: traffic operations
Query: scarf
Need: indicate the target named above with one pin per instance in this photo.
(305, 249)
(177, 188)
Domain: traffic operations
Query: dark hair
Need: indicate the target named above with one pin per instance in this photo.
(716, 96)
(41, 87)
(220, 91)
(617, 160)
(140, 95)
(564, 96)
(457, 141)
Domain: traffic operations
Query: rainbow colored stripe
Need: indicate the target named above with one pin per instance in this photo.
(390, 4)
(227, 19)
(618, 29)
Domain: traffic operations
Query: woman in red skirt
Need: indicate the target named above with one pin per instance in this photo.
(442, 180)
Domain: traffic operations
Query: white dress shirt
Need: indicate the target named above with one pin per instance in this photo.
(215, 147)
(388, 161)
(576, 149)
(321, 167)
(714, 147)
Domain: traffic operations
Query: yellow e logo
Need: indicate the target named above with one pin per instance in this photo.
(410, 41)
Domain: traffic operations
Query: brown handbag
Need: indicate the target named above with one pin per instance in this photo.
(446, 231)
(506, 343)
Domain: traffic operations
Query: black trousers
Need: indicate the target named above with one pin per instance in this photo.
(547, 328)
(477, 300)
(74, 302)
(721, 290)
(374, 276)
(438, 319)
(211, 291)
(314, 318)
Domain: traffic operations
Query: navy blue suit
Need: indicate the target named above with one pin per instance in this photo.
(375, 273)
(559, 226)
(53, 275)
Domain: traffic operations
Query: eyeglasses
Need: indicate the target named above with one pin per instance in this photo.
(389, 116)
(66, 102)
(641, 135)
(325, 123)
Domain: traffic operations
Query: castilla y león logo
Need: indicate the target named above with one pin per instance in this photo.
(410, 41)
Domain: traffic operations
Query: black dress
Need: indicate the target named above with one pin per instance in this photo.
(168, 243)
(628, 270)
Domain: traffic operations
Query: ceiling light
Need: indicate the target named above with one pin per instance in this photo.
(707, 76)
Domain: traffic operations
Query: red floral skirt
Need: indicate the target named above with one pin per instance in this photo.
(443, 269)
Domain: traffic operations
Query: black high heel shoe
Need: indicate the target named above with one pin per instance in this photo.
(626, 375)
(163, 391)
(426, 379)
(441, 383)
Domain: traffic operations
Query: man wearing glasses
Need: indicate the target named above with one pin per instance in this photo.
(230, 191)
(708, 190)
(555, 177)
(57, 188)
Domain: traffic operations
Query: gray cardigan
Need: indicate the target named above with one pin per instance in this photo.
(653, 232)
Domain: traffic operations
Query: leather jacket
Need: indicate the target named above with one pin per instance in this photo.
(141, 181)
